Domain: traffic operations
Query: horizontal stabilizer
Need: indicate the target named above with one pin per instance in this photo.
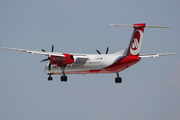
(156, 55)
(136, 25)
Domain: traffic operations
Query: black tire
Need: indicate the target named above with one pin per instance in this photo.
(62, 78)
(120, 80)
(65, 78)
(116, 80)
(50, 78)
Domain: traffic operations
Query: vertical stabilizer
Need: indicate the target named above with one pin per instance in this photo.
(136, 40)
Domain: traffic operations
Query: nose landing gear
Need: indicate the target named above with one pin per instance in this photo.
(50, 78)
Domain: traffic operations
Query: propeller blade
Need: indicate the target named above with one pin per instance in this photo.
(52, 48)
(43, 50)
(107, 50)
(49, 67)
(98, 51)
(44, 60)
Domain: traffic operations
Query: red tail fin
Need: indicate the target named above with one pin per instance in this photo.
(136, 40)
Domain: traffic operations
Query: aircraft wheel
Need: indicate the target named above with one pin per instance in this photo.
(50, 78)
(64, 78)
(118, 79)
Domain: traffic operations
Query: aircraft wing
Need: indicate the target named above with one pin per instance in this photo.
(34, 52)
(156, 55)
(45, 53)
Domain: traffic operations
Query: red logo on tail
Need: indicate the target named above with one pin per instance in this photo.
(135, 42)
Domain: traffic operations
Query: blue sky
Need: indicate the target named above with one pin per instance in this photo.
(150, 89)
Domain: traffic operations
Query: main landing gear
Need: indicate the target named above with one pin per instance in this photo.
(118, 79)
(63, 77)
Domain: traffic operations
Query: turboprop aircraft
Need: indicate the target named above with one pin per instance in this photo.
(71, 63)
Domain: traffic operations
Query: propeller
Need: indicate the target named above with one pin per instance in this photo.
(43, 50)
(106, 51)
(49, 67)
(44, 60)
(98, 51)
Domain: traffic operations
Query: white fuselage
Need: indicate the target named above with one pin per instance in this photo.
(83, 66)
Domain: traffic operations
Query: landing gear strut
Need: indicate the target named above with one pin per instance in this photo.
(118, 79)
(63, 77)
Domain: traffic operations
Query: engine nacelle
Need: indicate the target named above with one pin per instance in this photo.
(59, 60)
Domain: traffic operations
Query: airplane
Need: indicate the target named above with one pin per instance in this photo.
(72, 63)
